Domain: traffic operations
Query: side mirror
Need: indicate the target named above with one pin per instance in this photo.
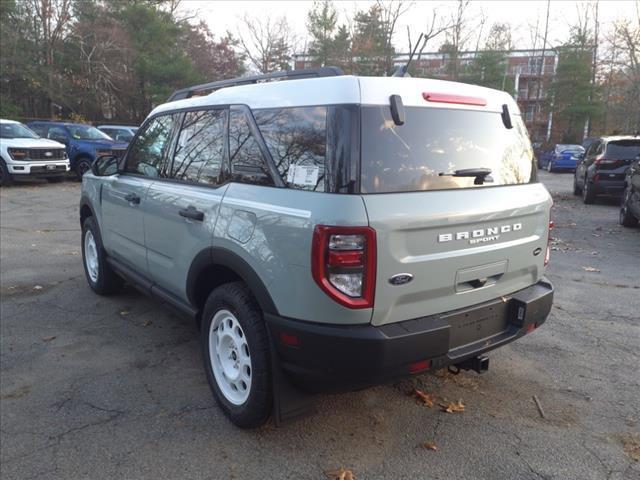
(105, 166)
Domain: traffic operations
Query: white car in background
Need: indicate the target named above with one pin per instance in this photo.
(25, 155)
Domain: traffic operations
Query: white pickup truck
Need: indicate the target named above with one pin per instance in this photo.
(23, 154)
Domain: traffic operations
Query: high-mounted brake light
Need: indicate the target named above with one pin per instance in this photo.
(449, 98)
(343, 264)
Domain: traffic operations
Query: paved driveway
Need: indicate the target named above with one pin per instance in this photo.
(101, 388)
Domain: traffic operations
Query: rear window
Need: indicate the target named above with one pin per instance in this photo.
(434, 143)
(623, 149)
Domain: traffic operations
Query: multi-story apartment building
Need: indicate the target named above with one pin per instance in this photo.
(528, 72)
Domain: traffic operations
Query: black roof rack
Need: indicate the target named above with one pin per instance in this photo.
(234, 82)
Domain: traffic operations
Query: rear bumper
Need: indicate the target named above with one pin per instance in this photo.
(608, 187)
(332, 358)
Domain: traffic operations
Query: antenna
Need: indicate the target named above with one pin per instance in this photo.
(401, 70)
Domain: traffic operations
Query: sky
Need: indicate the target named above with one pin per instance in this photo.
(521, 15)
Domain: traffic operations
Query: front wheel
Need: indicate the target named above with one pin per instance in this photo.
(576, 189)
(236, 355)
(626, 217)
(83, 166)
(5, 177)
(588, 195)
(100, 277)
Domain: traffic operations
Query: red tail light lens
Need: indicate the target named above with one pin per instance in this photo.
(547, 254)
(343, 264)
(607, 161)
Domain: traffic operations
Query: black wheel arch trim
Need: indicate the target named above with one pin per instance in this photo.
(85, 202)
(223, 257)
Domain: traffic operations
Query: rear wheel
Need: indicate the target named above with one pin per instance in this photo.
(588, 195)
(626, 217)
(5, 177)
(236, 354)
(100, 277)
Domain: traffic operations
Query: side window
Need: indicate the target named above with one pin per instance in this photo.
(247, 162)
(148, 154)
(297, 140)
(39, 129)
(200, 151)
(600, 148)
(57, 133)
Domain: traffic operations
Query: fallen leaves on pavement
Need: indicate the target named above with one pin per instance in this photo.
(591, 269)
(340, 474)
(430, 446)
(37, 287)
(453, 407)
(147, 323)
(426, 398)
(48, 339)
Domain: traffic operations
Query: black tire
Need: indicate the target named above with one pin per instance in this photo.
(107, 280)
(588, 195)
(5, 177)
(83, 165)
(576, 189)
(238, 300)
(626, 217)
(55, 179)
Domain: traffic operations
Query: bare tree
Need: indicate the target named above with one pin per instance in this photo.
(50, 23)
(458, 36)
(390, 12)
(267, 43)
(434, 27)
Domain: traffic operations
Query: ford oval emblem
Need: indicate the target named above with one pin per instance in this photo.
(401, 279)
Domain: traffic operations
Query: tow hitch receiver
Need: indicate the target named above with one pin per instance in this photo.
(478, 364)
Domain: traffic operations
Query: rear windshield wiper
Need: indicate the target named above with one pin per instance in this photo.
(481, 174)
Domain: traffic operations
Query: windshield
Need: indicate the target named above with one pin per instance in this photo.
(85, 132)
(16, 130)
(433, 141)
(623, 149)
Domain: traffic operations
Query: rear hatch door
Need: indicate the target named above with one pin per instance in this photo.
(444, 241)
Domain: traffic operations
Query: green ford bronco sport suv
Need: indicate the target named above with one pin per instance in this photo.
(327, 232)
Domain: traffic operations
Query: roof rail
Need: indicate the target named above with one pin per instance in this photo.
(234, 82)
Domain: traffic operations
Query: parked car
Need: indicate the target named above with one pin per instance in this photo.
(84, 143)
(602, 170)
(630, 205)
(23, 154)
(120, 133)
(334, 232)
(564, 157)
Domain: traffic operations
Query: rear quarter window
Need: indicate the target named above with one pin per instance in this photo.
(297, 141)
(434, 142)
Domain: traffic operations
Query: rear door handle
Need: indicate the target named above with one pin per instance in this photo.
(192, 213)
(132, 198)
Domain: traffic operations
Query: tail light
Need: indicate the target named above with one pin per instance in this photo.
(343, 264)
(547, 254)
(606, 161)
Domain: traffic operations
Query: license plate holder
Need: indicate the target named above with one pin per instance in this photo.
(473, 325)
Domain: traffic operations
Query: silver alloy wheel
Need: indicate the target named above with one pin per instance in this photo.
(230, 357)
(91, 256)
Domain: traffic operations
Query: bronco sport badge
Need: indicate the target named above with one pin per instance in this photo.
(481, 235)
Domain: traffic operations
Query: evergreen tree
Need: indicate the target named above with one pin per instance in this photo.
(321, 25)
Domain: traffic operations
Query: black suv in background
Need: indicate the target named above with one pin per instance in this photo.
(602, 169)
(630, 205)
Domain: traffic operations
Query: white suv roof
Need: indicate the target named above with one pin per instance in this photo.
(346, 89)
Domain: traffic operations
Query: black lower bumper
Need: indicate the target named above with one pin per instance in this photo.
(333, 358)
(608, 187)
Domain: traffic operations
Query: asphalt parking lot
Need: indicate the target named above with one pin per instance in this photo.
(100, 388)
